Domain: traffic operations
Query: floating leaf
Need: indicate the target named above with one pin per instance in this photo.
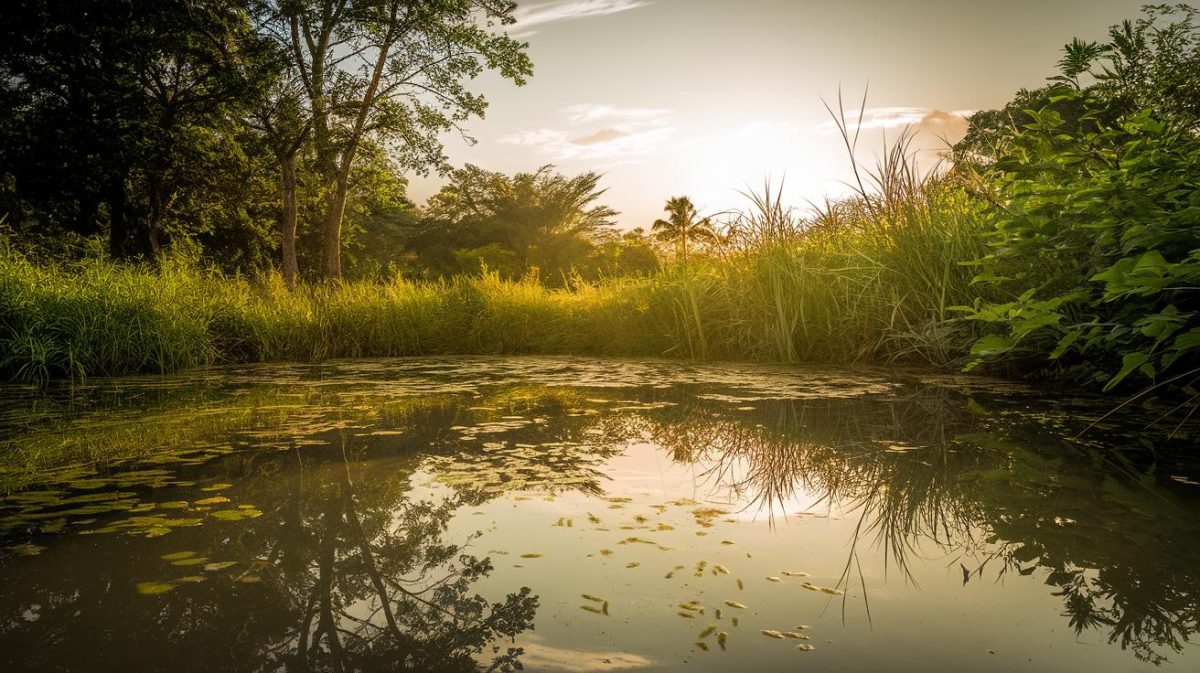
(175, 556)
(707, 632)
(805, 647)
(636, 540)
(772, 634)
(722, 637)
(216, 487)
(27, 549)
(703, 646)
(687, 615)
(218, 565)
(229, 515)
(531, 554)
(735, 604)
(150, 588)
(592, 609)
(215, 500)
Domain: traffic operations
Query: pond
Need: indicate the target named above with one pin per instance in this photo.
(566, 514)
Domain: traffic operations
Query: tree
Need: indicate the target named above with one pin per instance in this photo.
(285, 127)
(683, 226)
(1152, 63)
(394, 70)
(111, 103)
(541, 220)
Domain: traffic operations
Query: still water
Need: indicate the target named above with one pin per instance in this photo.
(572, 515)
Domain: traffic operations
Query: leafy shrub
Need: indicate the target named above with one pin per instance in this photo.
(1094, 258)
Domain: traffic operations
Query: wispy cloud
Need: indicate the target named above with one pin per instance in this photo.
(879, 118)
(938, 122)
(566, 10)
(592, 112)
(540, 656)
(623, 132)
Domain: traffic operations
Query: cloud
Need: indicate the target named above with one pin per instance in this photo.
(627, 132)
(878, 118)
(591, 112)
(549, 12)
(938, 122)
(542, 657)
(601, 136)
(948, 126)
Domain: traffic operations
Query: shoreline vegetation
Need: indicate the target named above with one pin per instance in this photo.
(1056, 241)
(861, 296)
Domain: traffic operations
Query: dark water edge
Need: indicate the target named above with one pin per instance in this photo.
(461, 514)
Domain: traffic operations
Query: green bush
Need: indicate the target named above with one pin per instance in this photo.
(1094, 252)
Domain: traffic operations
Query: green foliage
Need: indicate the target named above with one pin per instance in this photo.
(864, 293)
(541, 223)
(1095, 256)
(684, 228)
(110, 108)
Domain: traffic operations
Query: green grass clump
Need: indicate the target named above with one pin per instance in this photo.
(874, 285)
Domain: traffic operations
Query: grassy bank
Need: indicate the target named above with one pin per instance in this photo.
(876, 290)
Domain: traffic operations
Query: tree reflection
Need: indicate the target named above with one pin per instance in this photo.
(356, 571)
(380, 590)
(355, 576)
(996, 494)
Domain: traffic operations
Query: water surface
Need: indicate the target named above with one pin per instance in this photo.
(579, 515)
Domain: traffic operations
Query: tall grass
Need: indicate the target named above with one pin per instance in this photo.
(866, 279)
(871, 289)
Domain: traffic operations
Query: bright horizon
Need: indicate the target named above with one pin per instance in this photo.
(699, 98)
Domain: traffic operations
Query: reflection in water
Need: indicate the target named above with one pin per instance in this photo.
(342, 574)
(326, 519)
(1120, 552)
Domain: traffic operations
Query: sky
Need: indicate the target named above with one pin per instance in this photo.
(709, 98)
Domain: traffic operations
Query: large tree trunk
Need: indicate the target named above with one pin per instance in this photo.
(118, 217)
(291, 267)
(331, 252)
(150, 227)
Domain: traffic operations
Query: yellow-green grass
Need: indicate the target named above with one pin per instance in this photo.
(873, 288)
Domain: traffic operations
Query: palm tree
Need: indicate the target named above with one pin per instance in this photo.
(683, 225)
